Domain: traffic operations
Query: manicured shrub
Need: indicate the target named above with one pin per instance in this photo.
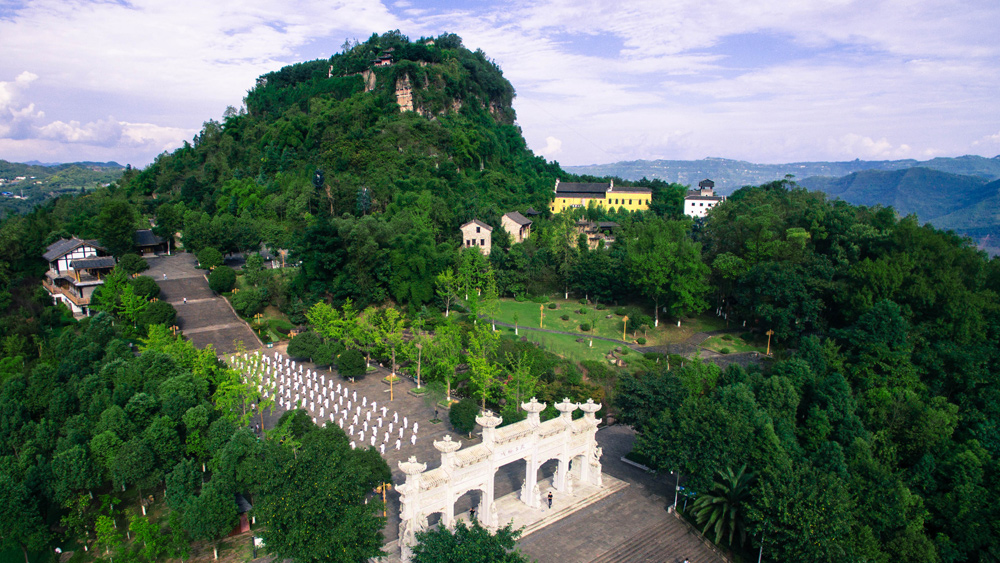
(552, 305)
(641, 341)
(209, 258)
(304, 345)
(222, 279)
(724, 350)
(620, 311)
(564, 317)
(132, 264)
(351, 364)
(583, 302)
(145, 286)
(463, 416)
(600, 306)
(248, 302)
(585, 327)
(159, 313)
(727, 337)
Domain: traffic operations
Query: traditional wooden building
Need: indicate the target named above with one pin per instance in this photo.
(517, 225)
(76, 268)
(149, 244)
(476, 234)
(570, 195)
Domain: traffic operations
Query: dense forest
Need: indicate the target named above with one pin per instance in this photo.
(870, 434)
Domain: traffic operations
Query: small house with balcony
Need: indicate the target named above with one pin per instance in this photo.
(476, 234)
(77, 267)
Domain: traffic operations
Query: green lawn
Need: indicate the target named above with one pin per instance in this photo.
(735, 344)
(564, 345)
(527, 313)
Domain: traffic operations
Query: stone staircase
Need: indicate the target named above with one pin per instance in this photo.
(667, 541)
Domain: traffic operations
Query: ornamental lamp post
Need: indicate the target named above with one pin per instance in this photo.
(420, 348)
(677, 487)
(624, 325)
(541, 315)
(769, 333)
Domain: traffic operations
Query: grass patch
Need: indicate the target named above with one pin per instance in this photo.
(566, 346)
(733, 344)
(527, 314)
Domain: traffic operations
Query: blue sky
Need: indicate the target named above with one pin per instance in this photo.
(596, 81)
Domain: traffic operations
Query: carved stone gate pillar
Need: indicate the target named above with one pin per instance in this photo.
(448, 448)
(410, 509)
(530, 494)
(565, 409)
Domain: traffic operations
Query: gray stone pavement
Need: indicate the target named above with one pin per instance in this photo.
(205, 318)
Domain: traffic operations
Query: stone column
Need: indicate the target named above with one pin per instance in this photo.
(590, 468)
(409, 506)
(448, 448)
(529, 490)
(487, 505)
(565, 409)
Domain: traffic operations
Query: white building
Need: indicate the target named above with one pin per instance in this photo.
(476, 234)
(698, 202)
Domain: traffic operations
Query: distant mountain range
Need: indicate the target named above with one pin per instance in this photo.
(962, 194)
(23, 185)
(730, 175)
(111, 164)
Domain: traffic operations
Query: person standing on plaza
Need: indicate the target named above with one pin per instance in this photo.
(550, 499)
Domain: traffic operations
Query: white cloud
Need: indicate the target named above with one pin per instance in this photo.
(609, 81)
(553, 146)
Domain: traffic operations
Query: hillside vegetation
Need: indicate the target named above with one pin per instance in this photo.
(42, 182)
(870, 435)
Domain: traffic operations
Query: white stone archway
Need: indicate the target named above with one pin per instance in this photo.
(562, 438)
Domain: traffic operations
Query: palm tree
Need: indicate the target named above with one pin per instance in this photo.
(721, 508)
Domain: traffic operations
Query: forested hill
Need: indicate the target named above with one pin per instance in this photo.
(966, 204)
(458, 152)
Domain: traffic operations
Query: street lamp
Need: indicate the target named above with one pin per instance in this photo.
(420, 348)
(677, 487)
(382, 489)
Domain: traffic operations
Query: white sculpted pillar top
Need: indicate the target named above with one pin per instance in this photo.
(533, 408)
(489, 422)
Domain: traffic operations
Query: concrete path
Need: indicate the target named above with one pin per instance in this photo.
(205, 318)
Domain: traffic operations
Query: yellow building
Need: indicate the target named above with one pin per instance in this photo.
(570, 195)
